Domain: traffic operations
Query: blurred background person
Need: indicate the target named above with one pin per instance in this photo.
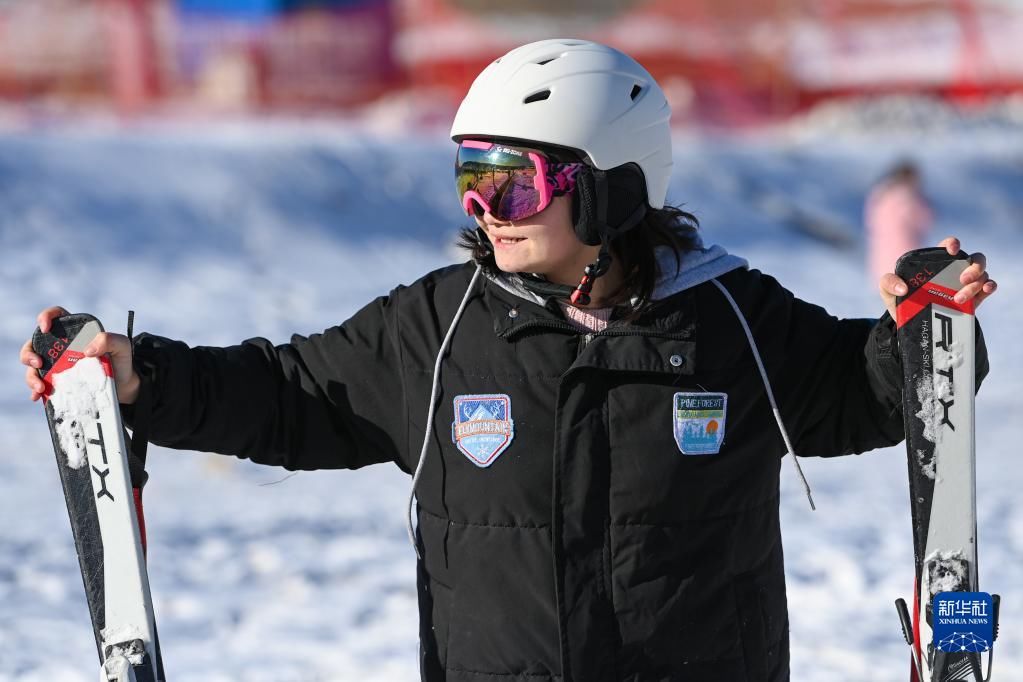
(898, 217)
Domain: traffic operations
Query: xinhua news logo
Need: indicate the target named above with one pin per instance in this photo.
(963, 622)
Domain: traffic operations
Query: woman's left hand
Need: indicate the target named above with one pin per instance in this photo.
(977, 284)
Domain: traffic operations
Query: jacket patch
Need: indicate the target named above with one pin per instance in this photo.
(483, 427)
(699, 422)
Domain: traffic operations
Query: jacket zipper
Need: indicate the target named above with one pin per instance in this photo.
(605, 585)
(584, 341)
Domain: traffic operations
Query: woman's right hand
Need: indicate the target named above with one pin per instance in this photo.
(117, 345)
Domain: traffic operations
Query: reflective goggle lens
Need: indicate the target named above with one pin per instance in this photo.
(509, 182)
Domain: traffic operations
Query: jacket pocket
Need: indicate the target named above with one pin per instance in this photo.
(752, 629)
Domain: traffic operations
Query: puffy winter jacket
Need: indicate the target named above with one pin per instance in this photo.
(592, 507)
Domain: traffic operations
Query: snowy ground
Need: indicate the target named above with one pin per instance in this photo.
(220, 235)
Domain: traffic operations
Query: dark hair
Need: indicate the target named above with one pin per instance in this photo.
(903, 171)
(635, 251)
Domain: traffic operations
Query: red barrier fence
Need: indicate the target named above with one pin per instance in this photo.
(736, 61)
(729, 61)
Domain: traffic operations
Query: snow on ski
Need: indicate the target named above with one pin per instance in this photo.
(103, 500)
(936, 344)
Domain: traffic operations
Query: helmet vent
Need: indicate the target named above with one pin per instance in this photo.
(537, 97)
(636, 89)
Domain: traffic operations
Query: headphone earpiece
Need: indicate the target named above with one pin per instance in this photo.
(624, 202)
(584, 202)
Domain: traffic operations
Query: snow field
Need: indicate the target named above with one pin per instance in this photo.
(266, 230)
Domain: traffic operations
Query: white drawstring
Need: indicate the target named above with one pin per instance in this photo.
(433, 404)
(767, 387)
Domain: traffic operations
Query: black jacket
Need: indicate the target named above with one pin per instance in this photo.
(565, 535)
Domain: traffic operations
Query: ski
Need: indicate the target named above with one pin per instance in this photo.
(936, 346)
(103, 495)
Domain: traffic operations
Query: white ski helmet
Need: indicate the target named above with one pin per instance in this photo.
(577, 94)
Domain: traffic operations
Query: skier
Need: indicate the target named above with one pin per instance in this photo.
(587, 407)
(898, 217)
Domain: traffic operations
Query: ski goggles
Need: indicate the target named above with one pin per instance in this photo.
(508, 181)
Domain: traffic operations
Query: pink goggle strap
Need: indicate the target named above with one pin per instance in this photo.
(562, 177)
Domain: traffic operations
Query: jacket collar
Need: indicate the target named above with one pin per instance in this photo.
(694, 267)
(514, 307)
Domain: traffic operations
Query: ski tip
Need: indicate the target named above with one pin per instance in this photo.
(930, 255)
(63, 344)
